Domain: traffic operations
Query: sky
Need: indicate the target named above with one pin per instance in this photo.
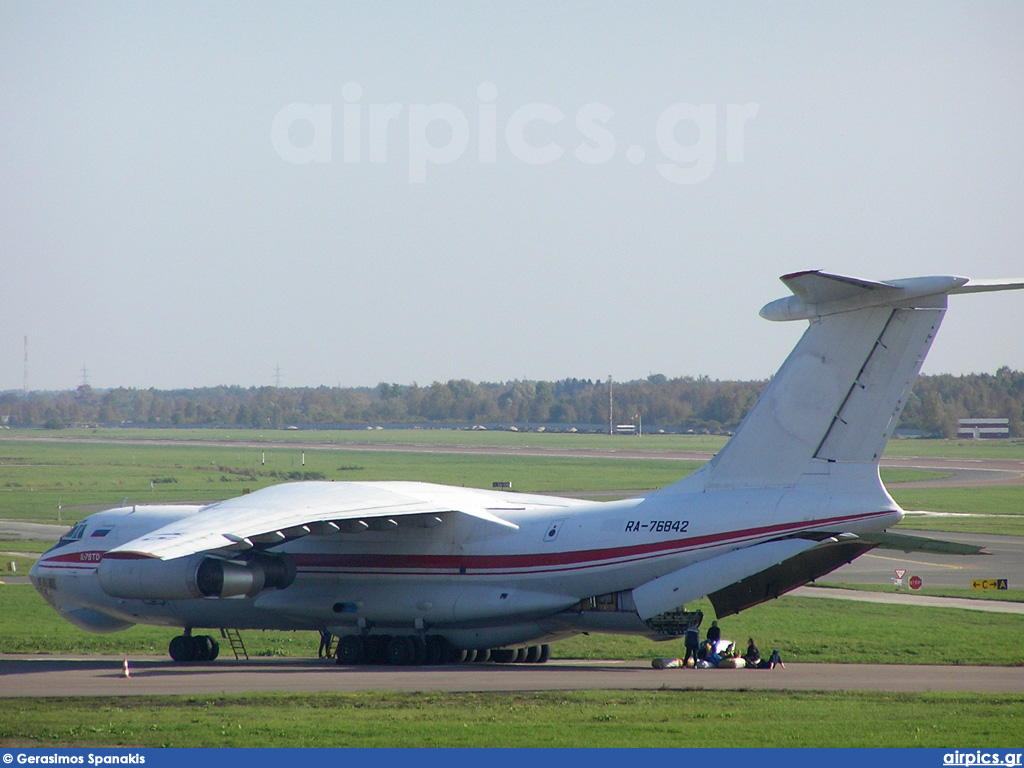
(201, 194)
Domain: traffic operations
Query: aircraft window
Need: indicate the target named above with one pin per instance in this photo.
(75, 533)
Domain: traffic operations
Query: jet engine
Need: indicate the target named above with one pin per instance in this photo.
(193, 577)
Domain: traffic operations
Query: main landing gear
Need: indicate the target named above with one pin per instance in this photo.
(413, 650)
(193, 648)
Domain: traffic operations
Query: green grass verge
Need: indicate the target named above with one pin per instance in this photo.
(991, 449)
(987, 509)
(63, 481)
(23, 553)
(974, 449)
(1007, 595)
(677, 718)
(46, 481)
(440, 436)
(803, 629)
(892, 475)
(12, 564)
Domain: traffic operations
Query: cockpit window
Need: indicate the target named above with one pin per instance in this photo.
(75, 533)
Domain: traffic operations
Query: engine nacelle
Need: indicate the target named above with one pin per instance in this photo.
(192, 577)
(230, 578)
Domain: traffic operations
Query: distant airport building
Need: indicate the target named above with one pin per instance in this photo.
(983, 429)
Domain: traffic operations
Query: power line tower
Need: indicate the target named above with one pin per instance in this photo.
(277, 375)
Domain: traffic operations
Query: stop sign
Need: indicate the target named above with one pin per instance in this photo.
(915, 582)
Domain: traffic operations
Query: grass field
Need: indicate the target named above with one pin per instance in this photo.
(435, 437)
(984, 509)
(43, 481)
(687, 718)
(62, 480)
(1008, 595)
(981, 449)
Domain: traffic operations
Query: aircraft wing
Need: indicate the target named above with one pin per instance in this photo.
(282, 512)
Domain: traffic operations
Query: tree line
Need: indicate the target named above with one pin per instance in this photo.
(682, 403)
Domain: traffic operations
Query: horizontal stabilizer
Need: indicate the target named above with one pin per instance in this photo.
(820, 294)
(816, 287)
(985, 286)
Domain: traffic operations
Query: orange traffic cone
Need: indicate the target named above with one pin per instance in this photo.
(125, 672)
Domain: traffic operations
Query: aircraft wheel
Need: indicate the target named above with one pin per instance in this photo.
(455, 655)
(503, 655)
(419, 650)
(532, 654)
(520, 656)
(375, 646)
(180, 648)
(210, 648)
(436, 649)
(470, 655)
(483, 654)
(545, 653)
(351, 650)
(399, 651)
(203, 648)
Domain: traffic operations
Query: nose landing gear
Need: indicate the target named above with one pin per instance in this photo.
(193, 648)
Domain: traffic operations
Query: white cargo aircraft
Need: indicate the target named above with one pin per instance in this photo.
(413, 573)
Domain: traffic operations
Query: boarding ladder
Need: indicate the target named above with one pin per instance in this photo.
(234, 638)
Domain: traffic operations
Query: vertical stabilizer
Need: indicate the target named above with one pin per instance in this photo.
(839, 394)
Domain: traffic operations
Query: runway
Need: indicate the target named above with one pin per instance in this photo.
(101, 676)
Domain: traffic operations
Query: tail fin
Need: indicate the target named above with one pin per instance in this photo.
(840, 392)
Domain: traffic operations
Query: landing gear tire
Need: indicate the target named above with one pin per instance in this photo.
(205, 648)
(545, 653)
(437, 649)
(351, 650)
(180, 648)
(193, 648)
(376, 645)
(419, 651)
(520, 655)
(503, 655)
(400, 651)
(532, 654)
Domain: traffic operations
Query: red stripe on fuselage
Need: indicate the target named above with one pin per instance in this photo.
(554, 561)
(90, 556)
